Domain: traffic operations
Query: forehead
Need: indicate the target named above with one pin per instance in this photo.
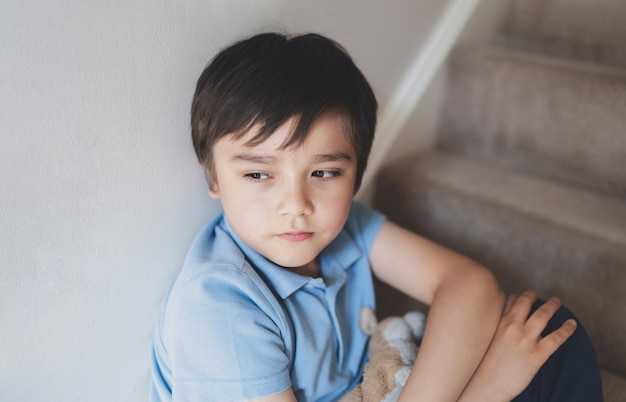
(330, 132)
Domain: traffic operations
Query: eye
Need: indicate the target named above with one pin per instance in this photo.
(326, 174)
(257, 176)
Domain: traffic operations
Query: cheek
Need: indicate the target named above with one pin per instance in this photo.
(341, 195)
(337, 207)
(242, 204)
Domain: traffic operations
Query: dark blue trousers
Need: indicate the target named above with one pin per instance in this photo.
(571, 374)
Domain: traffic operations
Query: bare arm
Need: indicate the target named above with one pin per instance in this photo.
(466, 305)
(517, 350)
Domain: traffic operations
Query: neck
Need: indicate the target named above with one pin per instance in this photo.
(312, 269)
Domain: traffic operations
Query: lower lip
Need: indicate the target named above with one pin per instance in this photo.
(295, 237)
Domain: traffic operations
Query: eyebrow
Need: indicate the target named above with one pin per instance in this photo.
(266, 160)
(332, 157)
(269, 160)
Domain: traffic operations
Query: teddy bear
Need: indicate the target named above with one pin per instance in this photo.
(393, 347)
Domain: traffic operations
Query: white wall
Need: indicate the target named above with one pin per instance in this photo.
(101, 193)
(419, 132)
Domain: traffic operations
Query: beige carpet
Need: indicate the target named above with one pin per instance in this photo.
(529, 171)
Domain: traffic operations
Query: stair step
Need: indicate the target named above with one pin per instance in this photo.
(542, 116)
(613, 386)
(580, 29)
(531, 233)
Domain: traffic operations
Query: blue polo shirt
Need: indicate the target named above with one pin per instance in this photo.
(235, 326)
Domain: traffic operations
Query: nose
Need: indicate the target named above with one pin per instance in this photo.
(294, 199)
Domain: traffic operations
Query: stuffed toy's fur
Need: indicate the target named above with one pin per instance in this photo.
(392, 350)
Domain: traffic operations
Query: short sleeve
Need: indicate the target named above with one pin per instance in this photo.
(363, 225)
(224, 337)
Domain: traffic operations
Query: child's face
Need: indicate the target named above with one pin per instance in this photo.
(287, 204)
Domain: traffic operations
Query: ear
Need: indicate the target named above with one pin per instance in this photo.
(368, 320)
(417, 322)
(214, 191)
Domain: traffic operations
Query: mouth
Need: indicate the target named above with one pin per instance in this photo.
(295, 236)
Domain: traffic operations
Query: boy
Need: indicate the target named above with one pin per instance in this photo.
(267, 304)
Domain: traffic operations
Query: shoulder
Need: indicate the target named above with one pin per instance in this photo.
(220, 286)
(354, 242)
(213, 322)
(363, 224)
(218, 298)
(217, 276)
(215, 258)
(212, 247)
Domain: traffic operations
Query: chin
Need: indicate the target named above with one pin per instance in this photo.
(292, 264)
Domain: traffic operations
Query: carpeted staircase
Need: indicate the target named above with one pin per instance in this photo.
(529, 172)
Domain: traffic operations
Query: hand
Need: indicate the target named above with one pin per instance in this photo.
(517, 350)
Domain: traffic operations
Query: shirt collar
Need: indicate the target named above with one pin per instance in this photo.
(341, 253)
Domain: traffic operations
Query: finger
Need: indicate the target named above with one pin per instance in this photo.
(551, 342)
(509, 303)
(521, 307)
(539, 319)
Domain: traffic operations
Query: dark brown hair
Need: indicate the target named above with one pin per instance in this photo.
(269, 78)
